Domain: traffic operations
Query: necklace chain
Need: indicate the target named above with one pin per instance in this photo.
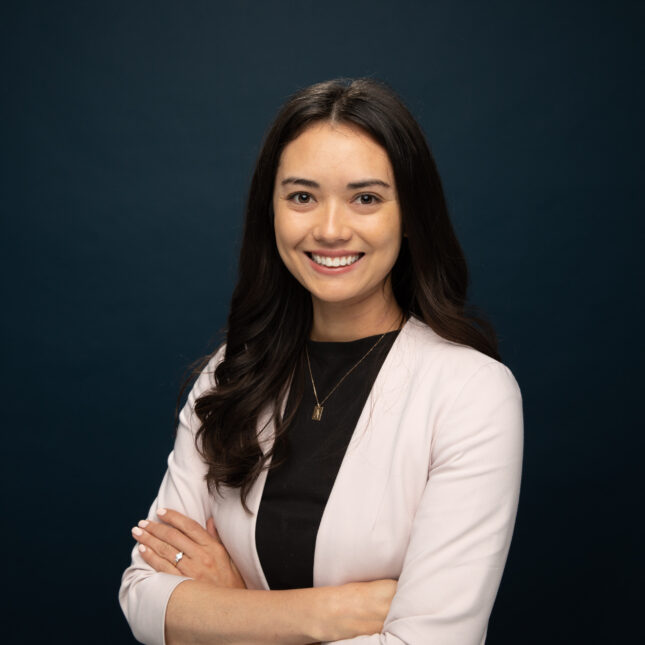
(318, 408)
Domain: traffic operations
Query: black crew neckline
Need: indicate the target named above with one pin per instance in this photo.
(346, 347)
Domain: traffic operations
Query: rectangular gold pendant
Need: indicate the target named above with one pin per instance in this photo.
(317, 415)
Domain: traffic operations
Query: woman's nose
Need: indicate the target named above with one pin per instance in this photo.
(331, 225)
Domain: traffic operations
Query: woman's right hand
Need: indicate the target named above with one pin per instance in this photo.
(359, 608)
(203, 556)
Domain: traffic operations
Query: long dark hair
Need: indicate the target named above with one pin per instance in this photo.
(271, 313)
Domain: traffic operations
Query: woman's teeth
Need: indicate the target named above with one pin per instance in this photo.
(326, 261)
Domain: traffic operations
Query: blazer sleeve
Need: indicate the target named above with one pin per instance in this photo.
(144, 593)
(462, 528)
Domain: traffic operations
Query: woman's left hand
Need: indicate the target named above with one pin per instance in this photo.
(203, 558)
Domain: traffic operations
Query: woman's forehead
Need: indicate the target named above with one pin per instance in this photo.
(335, 152)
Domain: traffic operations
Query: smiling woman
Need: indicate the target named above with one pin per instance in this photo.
(347, 465)
(341, 238)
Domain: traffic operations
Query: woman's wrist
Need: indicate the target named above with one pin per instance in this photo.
(326, 613)
(353, 609)
(338, 612)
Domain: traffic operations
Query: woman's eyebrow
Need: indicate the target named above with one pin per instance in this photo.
(364, 183)
(301, 182)
(367, 182)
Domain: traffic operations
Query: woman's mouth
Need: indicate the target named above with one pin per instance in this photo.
(336, 261)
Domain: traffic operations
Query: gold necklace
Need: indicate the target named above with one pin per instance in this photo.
(318, 408)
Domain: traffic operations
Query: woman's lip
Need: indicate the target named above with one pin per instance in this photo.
(334, 254)
(333, 270)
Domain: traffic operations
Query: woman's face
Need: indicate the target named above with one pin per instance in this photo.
(337, 218)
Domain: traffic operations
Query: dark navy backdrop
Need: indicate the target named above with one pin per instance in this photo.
(129, 131)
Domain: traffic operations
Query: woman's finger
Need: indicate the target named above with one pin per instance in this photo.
(155, 561)
(170, 535)
(189, 527)
(163, 549)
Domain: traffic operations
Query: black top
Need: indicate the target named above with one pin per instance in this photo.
(296, 492)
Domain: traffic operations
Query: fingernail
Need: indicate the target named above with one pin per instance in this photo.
(137, 531)
(143, 523)
(142, 548)
(161, 511)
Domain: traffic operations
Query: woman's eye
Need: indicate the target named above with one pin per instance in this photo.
(300, 198)
(368, 200)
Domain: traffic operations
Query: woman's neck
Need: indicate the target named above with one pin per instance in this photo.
(342, 322)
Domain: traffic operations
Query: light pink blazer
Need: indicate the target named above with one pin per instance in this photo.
(427, 493)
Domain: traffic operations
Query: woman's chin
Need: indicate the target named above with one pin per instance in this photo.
(341, 298)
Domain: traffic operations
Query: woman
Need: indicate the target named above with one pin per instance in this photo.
(348, 465)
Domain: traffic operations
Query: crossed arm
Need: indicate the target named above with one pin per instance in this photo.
(214, 606)
(203, 599)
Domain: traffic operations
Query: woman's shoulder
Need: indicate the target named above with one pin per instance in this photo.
(205, 380)
(452, 364)
(425, 344)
